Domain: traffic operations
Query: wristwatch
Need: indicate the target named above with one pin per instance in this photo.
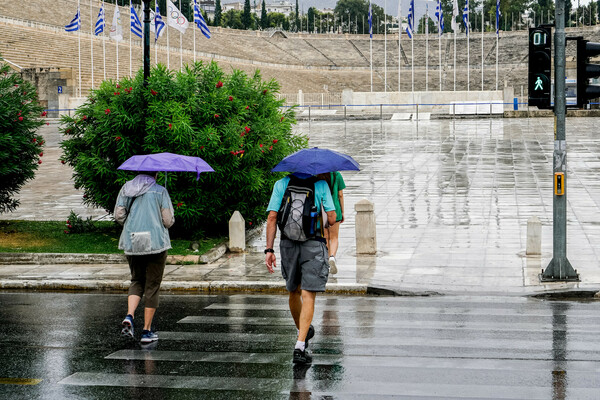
(269, 251)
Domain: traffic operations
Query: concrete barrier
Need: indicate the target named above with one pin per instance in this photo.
(237, 233)
(365, 229)
(534, 237)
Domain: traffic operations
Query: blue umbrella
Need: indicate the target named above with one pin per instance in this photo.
(316, 161)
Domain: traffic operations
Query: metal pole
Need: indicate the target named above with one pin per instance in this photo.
(559, 269)
(146, 41)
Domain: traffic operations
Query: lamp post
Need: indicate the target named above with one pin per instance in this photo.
(146, 41)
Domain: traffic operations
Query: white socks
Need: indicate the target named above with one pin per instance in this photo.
(300, 345)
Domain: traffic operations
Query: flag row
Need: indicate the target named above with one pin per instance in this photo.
(174, 18)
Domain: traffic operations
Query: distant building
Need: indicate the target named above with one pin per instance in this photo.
(279, 6)
(209, 7)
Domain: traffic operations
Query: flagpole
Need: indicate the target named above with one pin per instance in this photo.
(104, 41)
(454, 61)
(399, 42)
(168, 47)
(180, 45)
(79, 45)
(497, 34)
(130, 33)
(412, 55)
(370, 42)
(440, 42)
(92, 39)
(427, 47)
(193, 30)
(482, 48)
(468, 54)
(116, 39)
(385, 46)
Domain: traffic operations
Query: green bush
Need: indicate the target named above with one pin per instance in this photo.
(233, 122)
(21, 148)
(76, 224)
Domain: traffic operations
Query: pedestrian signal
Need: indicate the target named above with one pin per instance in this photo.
(540, 66)
(585, 71)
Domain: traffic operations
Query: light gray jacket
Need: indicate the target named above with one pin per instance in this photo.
(145, 210)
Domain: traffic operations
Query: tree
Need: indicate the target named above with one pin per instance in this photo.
(246, 15)
(277, 20)
(264, 20)
(218, 12)
(232, 19)
(234, 122)
(297, 19)
(311, 19)
(21, 147)
(356, 11)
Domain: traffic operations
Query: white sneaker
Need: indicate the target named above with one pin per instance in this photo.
(332, 265)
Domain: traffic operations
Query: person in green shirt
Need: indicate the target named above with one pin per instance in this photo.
(337, 185)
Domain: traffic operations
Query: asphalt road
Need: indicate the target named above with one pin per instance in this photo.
(67, 346)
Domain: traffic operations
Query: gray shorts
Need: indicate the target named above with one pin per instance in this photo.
(304, 264)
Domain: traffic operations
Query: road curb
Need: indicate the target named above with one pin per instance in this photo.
(170, 286)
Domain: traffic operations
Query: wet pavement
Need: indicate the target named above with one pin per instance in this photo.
(452, 200)
(67, 346)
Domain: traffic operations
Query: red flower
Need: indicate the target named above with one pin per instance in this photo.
(170, 126)
(270, 147)
(275, 140)
(42, 154)
(20, 118)
(39, 161)
(118, 86)
(219, 84)
(265, 91)
(118, 138)
(62, 161)
(247, 107)
(179, 204)
(107, 111)
(66, 232)
(281, 119)
(117, 93)
(247, 129)
(34, 140)
(47, 123)
(216, 115)
(41, 143)
(242, 134)
(250, 223)
(19, 113)
(85, 118)
(16, 85)
(69, 226)
(260, 145)
(230, 98)
(68, 222)
(201, 147)
(154, 92)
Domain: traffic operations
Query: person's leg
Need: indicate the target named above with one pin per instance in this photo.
(334, 231)
(295, 302)
(155, 268)
(133, 301)
(136, 291)
(306, 315)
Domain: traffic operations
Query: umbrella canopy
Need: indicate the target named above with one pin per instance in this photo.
(316, 161)
(167, 162)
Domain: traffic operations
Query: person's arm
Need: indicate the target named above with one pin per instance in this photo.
(121, 211)
(270, 258)
(166, 210)
(341, 198)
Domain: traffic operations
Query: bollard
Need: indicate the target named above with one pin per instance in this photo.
(534, 237)
(309, 113)
(365, 230)
(516, 104)
(237, 233)
(380, 111)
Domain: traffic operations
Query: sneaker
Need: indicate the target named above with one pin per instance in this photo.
(332, 265)
(149, 336)
(127, 327)
(309, 335)
(302, 357)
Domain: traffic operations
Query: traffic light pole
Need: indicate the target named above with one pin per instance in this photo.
(559, 269)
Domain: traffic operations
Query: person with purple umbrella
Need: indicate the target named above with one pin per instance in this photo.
(145, 210)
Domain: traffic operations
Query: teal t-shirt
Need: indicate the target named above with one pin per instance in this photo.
(322, 195)
(337, 184)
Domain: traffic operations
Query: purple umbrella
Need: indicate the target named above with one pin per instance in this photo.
(167, 162)
(316, 161)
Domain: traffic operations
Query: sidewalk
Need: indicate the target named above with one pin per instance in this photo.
(452, 201)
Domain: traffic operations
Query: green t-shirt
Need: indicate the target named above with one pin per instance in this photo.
(337, 184)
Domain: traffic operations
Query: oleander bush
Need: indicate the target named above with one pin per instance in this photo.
(21, 147)
(234, 122)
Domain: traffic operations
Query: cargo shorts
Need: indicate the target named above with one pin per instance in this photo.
(304, 264)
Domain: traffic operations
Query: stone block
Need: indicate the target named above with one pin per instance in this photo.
(534, 236)
(237, 233)
(365, 227)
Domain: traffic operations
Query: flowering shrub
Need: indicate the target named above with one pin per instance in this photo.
(76, 224)
(21, 148)
(224, 119)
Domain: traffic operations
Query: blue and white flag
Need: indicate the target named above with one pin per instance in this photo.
(159, 24)
(200, 22)
(136, 25)
(411, 19)
(370, 19)
(75, 23)
(497, 17)
(100, 21)
(439, 15)
(466, 17)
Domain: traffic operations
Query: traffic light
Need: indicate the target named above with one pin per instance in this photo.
(585, 71)
(540, 66)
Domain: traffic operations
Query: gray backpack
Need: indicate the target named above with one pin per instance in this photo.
(298, 215)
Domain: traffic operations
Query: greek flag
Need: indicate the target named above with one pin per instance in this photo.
(497, 17)
(200, 22)
(100, 21)
(74, 24)
(370, 19)
(136, 26)
(466, 17)
(411, 19)
(439, 15)
(159, 25)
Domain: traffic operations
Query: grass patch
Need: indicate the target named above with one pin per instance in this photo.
(49, 237)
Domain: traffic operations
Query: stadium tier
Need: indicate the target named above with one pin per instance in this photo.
(32, 35)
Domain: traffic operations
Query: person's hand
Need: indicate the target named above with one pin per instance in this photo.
(270, 261)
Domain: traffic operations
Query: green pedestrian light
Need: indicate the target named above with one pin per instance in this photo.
(540, 66)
